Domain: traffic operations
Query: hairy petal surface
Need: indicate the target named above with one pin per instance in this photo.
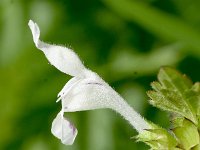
(64, 59)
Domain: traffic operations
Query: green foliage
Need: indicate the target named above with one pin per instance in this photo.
(157, 22)
(176, 94)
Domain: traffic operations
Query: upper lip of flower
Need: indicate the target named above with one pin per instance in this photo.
(64, 59)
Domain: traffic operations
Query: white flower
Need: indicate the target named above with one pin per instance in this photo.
(85, 91)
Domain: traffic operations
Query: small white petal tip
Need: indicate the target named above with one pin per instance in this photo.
(64, 130)
(35, 31)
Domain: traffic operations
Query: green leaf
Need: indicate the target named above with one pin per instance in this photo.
(166, 100)
(173, 93)
(172, 79)
(195, 97)
(195, 100)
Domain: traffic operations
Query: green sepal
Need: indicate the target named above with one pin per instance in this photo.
(158, 138)
(186, 134)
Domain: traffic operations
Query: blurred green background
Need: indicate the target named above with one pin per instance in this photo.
(124, 41)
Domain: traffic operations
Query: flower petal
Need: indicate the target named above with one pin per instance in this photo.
(64, 59)
(89, 94)
(63, 129)
(68, 86)
(35, 32)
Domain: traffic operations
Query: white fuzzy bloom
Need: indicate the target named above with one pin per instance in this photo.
(85, 91)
